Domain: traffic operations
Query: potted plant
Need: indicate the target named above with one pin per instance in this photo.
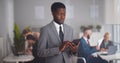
(19, 39)
(90, 26)
(98, 27)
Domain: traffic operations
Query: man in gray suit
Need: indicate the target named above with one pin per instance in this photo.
(55, 38)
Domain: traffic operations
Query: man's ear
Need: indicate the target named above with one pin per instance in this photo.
(53, 13)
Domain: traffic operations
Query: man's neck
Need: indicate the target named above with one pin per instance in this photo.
(85, 36)
(57, 22)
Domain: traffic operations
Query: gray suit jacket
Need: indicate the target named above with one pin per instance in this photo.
(49, 43)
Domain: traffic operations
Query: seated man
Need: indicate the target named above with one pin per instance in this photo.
(31, 41)
(31, 49)
(86, 51)
(104, 45)
(29, 32)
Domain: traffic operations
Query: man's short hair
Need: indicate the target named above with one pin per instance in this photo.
(87, 28)
(56, 6)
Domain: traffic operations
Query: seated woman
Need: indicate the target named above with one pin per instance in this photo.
(106, 42)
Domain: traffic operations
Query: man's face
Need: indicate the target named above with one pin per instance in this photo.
(59, 15)
(88, 33)
(30, 41)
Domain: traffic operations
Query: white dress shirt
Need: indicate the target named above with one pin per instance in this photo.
(57, 26)
(85, 39)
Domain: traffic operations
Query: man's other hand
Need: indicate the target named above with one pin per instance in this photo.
(73, 47)
(64, 46)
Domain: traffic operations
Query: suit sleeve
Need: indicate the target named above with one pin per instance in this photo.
(87, 50)
(70, 52)
(42, 50)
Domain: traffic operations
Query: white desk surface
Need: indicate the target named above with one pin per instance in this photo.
(111, 57)
(22, 58)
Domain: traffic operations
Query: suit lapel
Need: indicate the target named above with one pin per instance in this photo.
(55, 31)
(65, 31)
(85, 41)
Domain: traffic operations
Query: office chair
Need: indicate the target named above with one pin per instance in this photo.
(75, 58)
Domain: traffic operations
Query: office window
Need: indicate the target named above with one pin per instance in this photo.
(116, 33)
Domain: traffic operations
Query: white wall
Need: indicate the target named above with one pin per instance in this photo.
(25, 13)
(6, 24)
(3, 26)
(112, 11)
(3, 22)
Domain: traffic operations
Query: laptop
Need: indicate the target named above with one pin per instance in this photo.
(112, 50)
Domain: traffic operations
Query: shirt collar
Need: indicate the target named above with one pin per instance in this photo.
(85, 38)
(57, 25)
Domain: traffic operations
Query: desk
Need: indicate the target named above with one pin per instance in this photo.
(111, 57)
(17, 59)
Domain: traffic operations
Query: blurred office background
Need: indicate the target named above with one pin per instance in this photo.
(37, 13)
